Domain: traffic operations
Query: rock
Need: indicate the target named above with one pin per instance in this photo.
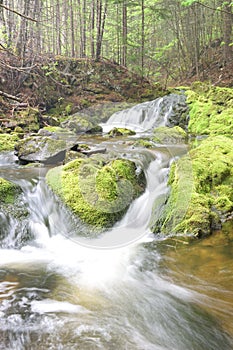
(8, 191)
(121, 132)
(201, 190)
(167, 135)
(99, 191)
(81, 124)
(178, 114)
(13, 215)
(43, 149)
(28, 119)
(8, 141)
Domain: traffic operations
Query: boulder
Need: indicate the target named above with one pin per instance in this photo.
(81, 124)
(167, 135)
(99, 191)
(121, 132)
(201, 190)
(13, 216)
(42, 149)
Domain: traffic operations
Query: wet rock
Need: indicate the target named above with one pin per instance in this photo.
(167, 135)
(13, 215)
(178, 111)
(43, 149)
(98, 190)
(121, 132)
(201, 190)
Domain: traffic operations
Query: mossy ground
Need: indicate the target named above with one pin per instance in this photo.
(201, 189)
(98, 192)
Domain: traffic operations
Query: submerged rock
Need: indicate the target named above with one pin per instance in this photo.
(201, 190)
(99, 191)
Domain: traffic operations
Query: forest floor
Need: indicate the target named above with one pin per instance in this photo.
(214, 70)
(63, 86)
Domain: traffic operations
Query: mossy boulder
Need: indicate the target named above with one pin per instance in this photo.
(97, 190)
(41, 149)
(173, 135)
(81, 124)
(211, 110)
(8, 141)
(13, 216)
(121, 132)
(27, 119)
(8, 191)
(201, 190)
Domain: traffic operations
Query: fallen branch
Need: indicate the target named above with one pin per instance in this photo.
(11, 97)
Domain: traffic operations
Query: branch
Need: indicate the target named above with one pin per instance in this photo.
(18, 13)
(19, 69)
(11, 97)
(214, 9)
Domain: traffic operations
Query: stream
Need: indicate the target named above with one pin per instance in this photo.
(127, 289)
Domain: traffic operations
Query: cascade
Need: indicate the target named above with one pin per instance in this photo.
(60, 289)
(148, 115)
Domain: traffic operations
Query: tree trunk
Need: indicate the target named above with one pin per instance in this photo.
(227, 30)
(124, 32)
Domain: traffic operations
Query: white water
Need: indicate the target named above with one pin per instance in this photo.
(61, 291)
(144, 116)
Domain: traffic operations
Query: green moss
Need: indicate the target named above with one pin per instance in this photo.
(211, 110)
(7, 142)
(121, 132)
(201, 189)
(98, 193)
(164, 134)
(8, 191)
(147, 143)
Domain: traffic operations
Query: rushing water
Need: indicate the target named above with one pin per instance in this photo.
(62, 291)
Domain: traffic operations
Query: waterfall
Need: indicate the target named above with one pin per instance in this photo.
(149, 115)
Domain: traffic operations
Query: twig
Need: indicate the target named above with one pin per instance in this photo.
(11, 97)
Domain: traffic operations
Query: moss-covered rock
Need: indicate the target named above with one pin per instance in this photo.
(173, 135)
(8, 141)
(121, 132)
(211, 110)
(201, 190)
(27, 119)
(41, 149)
(8, 191)
(13, 216)
(81, 124)
(145, 142)
(98, 191)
